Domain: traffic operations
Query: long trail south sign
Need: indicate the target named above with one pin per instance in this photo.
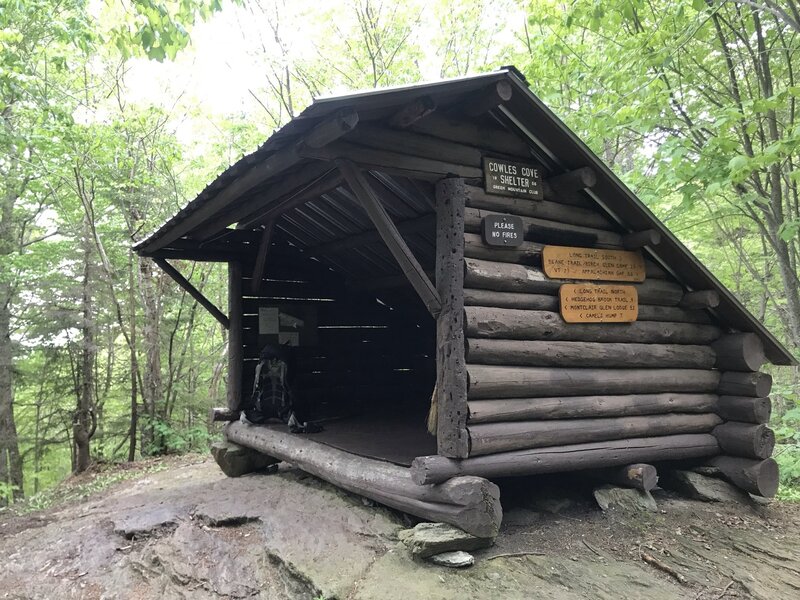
(518, 180)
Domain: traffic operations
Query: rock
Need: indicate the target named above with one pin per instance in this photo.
(456, 560)
(235, 460)
(611, 497)
(427, 539)
(700, 487)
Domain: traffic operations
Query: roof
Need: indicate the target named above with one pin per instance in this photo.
(551, 142)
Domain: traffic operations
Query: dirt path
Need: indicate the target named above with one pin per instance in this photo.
(189, 532)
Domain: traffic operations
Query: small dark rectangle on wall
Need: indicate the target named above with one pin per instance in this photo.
(506, 178)
(504, 231)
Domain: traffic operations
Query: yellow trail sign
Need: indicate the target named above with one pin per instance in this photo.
(583, 303)
(566, 262)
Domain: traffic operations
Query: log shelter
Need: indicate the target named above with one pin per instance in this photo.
(357, 234)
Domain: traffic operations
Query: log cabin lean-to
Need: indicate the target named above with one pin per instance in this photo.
(454, 247)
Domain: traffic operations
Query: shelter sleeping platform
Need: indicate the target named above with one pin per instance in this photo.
(457, 289)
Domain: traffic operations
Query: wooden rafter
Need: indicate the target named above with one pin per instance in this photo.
(390, 235)
(261, 257)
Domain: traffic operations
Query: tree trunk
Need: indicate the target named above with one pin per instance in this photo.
(151, 337)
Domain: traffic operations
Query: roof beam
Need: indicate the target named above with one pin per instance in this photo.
(329, 181)
(371, 236)
(291, 184)
(324, 133)
(491, 97)
(391, 236)
(412, 112)
(193, 292)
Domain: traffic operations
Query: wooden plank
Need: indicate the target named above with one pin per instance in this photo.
(581, 303)
(586, 354)
(491, 438)
(451, 374)
(573, 457)
(530, 382)
(390, 235)
(261, 257)
(581, 407)
(568, 262)
(193, 292)
(235, 342)
(509, 323)
(324, 133)
(471, 504)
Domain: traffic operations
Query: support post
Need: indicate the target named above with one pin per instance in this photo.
(193, 291)
(391, 236)
(451, 372)
(235, 358)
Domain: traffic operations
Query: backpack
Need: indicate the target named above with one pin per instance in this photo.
(272, 393)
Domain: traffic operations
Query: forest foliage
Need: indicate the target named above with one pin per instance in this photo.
(102, 357)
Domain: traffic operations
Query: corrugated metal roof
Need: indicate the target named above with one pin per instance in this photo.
(336, 215)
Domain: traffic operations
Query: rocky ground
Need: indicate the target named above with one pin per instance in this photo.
(187, 531)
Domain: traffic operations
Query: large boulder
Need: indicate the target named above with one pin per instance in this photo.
(427, 539)
(701, 487)
(236, 460)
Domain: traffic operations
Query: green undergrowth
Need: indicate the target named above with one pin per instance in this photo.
(788, 457)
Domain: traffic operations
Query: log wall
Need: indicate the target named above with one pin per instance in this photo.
(536, 382)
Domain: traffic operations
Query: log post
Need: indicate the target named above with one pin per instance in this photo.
(235, 341)
(640, 239)
(700, 300)
(746, 410)
(734, 383)
(451, 372)
(745, 439)
(739, 352)
(471, 503)
(759, 477)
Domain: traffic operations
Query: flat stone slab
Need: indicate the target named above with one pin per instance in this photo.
(428, 539)
(456, 560)
(236, 460)
(610, 497)
(701, 487)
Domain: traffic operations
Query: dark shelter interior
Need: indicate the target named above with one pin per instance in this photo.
(360, 341)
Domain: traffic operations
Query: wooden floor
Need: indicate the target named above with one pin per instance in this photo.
(397, 438)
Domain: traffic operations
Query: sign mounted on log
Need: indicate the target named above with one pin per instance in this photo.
(566, 262)
(506, 231)
(598, 303)
(505, 178)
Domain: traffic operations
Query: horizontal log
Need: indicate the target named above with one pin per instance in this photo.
(490, 98)
(574, 457)
(639, 476)
(531, 382)
(739, 352)
(640, 239)
(472, 504)
(576, 407)
(700, 300)
(759, 477)
(606, 239)
(745, 439)
(521, 300)
(573, 181)
(542, 209)
(744, 409)
(491, 438)
(507, 277)
(587, 354)
(735, 383)
(528, 253)
(472, 133)
(510, 323)
(412, 112)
